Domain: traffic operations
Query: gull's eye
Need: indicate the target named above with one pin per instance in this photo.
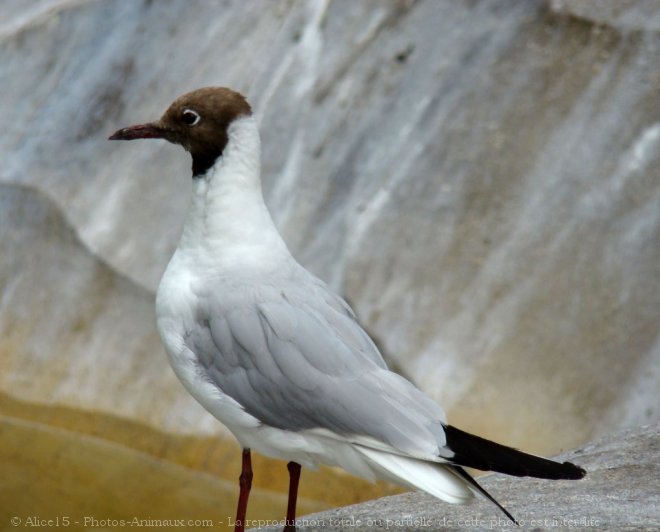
(190, 117)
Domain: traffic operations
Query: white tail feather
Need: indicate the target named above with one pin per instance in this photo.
(431, 477)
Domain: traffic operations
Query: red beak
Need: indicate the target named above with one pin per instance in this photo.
(142, 131)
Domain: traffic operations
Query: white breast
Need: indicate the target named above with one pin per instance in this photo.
(175, 310)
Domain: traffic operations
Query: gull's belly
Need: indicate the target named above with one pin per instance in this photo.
(304, 447)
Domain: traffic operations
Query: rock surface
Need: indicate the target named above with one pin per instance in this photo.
(620, 492)
(626, 15)
(72, 330)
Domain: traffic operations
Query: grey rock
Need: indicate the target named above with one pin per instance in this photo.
(626, 15)
(620, 492)
(73, 332)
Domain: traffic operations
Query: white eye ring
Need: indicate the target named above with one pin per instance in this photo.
(191, 117)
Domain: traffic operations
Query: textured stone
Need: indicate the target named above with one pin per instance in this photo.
(73, 331)
(626, 15)
(620, 492)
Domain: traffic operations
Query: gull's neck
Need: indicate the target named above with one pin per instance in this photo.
(228, 226)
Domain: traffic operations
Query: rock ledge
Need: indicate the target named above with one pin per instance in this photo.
(621, 492)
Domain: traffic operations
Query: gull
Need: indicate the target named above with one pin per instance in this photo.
(278, 357)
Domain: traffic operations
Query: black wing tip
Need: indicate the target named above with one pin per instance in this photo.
(573, 472)
(480, 453)
(550, 470)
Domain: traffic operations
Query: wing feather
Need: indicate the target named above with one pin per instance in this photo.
(297, 359)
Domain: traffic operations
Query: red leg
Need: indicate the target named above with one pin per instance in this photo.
(294, 477)
(245, 483)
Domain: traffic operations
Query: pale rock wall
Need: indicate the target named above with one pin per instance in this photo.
(73, 331)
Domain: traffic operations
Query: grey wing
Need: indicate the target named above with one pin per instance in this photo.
(299, 360)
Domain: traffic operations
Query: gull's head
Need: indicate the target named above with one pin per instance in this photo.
(198, 121)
